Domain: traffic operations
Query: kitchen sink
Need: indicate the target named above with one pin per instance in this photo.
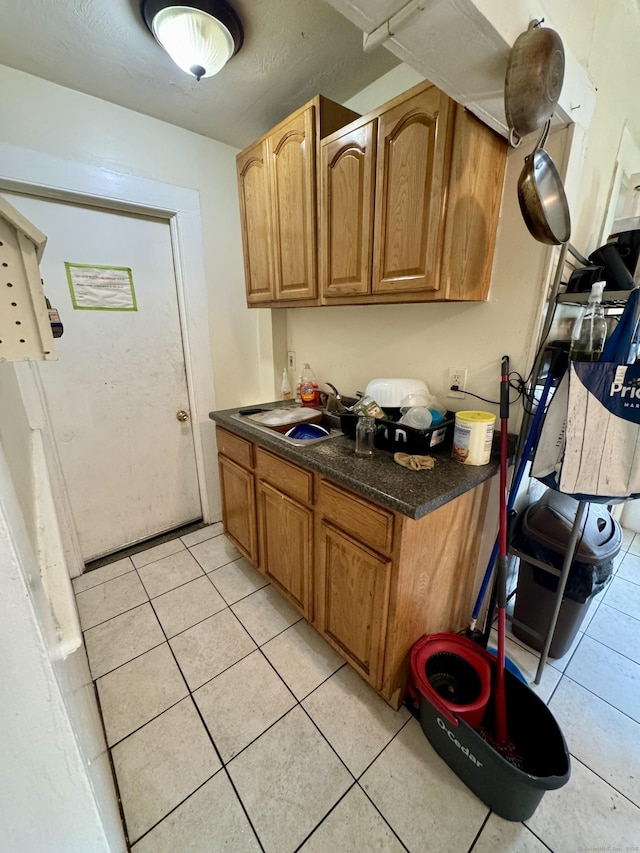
(328, 420)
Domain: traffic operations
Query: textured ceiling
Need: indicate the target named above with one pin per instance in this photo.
(293, 50)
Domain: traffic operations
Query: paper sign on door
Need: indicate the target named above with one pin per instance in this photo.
(98, 288)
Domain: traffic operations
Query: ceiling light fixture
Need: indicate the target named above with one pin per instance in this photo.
(200, 36)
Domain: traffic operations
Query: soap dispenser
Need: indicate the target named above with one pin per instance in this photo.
(309, 392)
(285, 388)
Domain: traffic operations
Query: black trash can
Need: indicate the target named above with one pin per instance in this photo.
(543, 533)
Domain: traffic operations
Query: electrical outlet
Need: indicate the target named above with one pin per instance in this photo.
(291, 360)
(457, 376)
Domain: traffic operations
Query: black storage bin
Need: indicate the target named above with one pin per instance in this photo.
(396, 437)
(543, 534)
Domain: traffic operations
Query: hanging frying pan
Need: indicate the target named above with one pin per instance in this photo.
(535, 73)
(542, 198)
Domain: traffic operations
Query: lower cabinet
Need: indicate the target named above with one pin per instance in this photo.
(286, 545)
(352, 594)
(371, 581)
(239, 507)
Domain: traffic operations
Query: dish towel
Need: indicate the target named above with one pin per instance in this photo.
(414, 463)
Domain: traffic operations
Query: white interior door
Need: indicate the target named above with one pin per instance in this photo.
(119, 382)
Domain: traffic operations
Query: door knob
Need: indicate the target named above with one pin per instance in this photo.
(182, 415)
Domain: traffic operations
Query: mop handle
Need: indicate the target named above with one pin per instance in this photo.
(501, 711)
(504, 450)
(515, 485)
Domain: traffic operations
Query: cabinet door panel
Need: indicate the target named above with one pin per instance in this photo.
(292, 175)
(475, 193)
(352, 599)
(286, 542)
(410, 194)
(255, 213)
(346, 208)
(239, 507)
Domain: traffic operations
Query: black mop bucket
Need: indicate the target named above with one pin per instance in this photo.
(512, 793)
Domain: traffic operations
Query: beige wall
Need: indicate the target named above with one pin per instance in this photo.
(45, 117)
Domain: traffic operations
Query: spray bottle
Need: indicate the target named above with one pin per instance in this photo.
(590, 329)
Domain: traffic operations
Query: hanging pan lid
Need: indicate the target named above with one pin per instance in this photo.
(535, 73)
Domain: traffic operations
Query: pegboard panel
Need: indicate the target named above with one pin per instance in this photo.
(25, 331)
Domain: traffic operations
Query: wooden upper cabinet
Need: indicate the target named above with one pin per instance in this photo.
(277, 183)
(346, 229)
(293, 196)
(476, 182)
(255, 212)
(413, 149)
(400, 205)
(409, 203)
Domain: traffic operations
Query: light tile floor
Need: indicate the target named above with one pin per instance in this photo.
(233, 726)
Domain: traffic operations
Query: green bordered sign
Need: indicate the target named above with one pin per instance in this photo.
(98, 288)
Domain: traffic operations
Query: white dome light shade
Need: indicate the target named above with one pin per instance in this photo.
(198, 43)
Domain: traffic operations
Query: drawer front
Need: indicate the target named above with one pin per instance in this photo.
(290, 479)
(233, 447)
(369, 523)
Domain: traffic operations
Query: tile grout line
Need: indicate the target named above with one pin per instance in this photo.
(176, 807)
(135, 548)
(537, 837)
(479, 832)
(150, 720)
(606, 782)
(223, 766)
(615, 651)
(624, 714)
(113, 771)
(77, 592)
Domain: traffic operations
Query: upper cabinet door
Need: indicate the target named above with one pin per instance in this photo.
(346, 210)
(476, 184)
(255, 213)
(291, 152)
(413, 149)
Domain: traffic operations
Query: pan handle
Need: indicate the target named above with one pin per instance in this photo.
(514, 138)
(543, 136)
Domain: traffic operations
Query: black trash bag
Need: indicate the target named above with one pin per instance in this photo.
(585, 579)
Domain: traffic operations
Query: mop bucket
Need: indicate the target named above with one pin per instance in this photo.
(511, 793)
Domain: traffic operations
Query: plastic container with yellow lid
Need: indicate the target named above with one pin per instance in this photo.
(472, 437)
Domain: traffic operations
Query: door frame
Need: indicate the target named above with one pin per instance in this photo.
(45, 176)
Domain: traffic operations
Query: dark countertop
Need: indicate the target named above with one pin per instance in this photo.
(380, 479)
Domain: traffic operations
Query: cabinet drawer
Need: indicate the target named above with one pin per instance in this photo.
(290, 479)
(234, 447)
(369, 523)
